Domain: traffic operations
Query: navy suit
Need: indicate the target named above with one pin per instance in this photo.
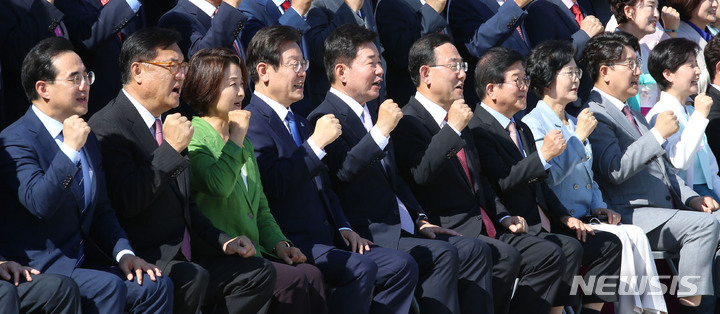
(301, 199)
(367, 183)
(95, 31)
(400, 23)
(44, 225)
(24, 24)
(478, 25)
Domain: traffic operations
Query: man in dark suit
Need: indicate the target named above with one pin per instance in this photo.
(712, 60)
(96, 27)
(517, 173)
(438, 158)
(24, 289)
(56, 209)
(400, 23)
(375, 199)
(149, 180)
(298, 189)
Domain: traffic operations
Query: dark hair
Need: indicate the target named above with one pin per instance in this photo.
(684, 7)
(422, 52)
(670, 54)
(544, 61)
(265, 47)
(712, 55)
(204, 77)
(38, 63)
(618, 9)
(492, 66)
(341, 46)
(605, 49)
(142, 46)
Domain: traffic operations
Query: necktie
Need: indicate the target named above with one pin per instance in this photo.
(575, 9)
(285, 5)
(512, 131)
(489, 227)
(290, 118)
(628, 115)
(158, 132)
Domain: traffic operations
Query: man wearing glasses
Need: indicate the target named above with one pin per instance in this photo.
(56, 214)
(149, 185)
(367, 278)
(517, 172)
(634, 176)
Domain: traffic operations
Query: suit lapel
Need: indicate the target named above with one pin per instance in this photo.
(564, 11)
(500, 133)
(616, 114)
(272, 10)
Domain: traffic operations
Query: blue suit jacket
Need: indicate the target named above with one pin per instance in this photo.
(295, 181)
(199, 30)
(42, 223)
(367, 190)
(400, 23)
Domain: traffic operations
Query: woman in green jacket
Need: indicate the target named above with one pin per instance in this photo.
(226, 180)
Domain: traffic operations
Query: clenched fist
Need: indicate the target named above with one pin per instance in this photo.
(238, 121)
(389, 115)
(178, 131)
(666, 124)
(671, 19)
(586, 124)
(327, 130)
(592, 26)
(459, 115)
(553, 145)
(75, 132)
(703, 103)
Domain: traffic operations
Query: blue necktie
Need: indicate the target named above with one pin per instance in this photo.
(293, 128)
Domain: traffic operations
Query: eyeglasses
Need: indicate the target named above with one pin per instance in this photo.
(455, 66)
(79, 79)
(297, 66)
(630, 63)
(576, 74)
(520, 82)
(174, 67)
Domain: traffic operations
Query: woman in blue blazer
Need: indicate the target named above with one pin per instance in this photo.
(554, 78)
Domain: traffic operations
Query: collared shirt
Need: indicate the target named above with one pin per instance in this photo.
(705, 35)
(620, 105)
(504, 122)
(55, 128)
(282, 112)
(205, 6)
(358, 109)
(437, 112)
(134, 5)
(145, 114)
(568, 3)
(278, 5)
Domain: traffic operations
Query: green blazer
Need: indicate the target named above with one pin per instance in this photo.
(220, 192)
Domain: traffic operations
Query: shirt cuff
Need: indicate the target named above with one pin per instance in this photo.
(546, 165)
(380, 140)
(122, 253)
(501, 219)
(134, 5)
(453, 128)
(657, 136)
(71, 153)
(344, 228)
(320, 153)
(298, 13)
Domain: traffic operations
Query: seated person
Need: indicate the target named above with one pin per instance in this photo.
(24, 289)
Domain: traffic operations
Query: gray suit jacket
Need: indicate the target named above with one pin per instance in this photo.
(631, 169)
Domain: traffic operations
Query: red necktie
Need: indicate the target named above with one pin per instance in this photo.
(104, 2)
(628, 115)
(285, 5)
(489, 227)
(575, 9)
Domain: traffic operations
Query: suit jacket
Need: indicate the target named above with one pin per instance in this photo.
(426, 157)
(713, 129)
(571, 175)
(366, 189)
(223, 196)
(199, 30)
(519, 182)
(150, 187)
(552, 20)
(631, 168)
(43, 220)
(24, 24)
(96, 32)
(295, 181)
(686, 31)
(478, 25)
(400, 23)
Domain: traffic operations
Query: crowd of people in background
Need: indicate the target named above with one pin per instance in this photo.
(358, 156)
